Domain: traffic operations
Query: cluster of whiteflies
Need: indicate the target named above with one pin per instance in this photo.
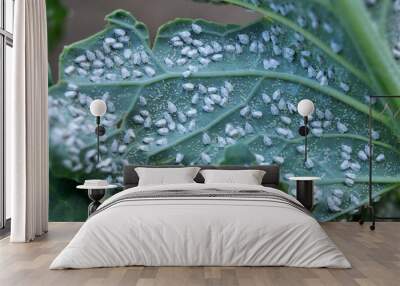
(116, 59)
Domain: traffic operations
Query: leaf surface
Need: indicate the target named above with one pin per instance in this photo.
(203, 88)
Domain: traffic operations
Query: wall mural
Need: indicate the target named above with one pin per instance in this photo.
(207, 93)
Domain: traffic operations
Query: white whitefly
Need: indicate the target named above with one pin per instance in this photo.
(344, 86)
(346, 148)
(362, 156)
(215, 98)
(197, 43)
(248, 128)
(168, 62)
(276, 95)
(276, 50)
(311, 72)
(317, 132)
(205, 158)
(147, 122)
(270, 64)
(109, 62)
(148, 140)
(238, 49)
(136, 59)
(278, 159)
(142, 101)
(336, 47)
(122, 149)
(144, 57)
(282, 104)
(138, 119)
(256, 114)
(118, 46)
(355, 166)
(221, 142)
(309, 164)
(99, 54)
(127, 54)
(191, 112)
(216, 46)
(334, 203)
(243, 39)
(304, 63)
(259, 158)
(171, 107)
(160, 123)
(204, 61)
(162, 141)
(186, 73)
(300, 149)
(195, 98)
(69, 70)
(326, 124)
(380, 158)
(188, 86)
(217, 57)
(125, 73)
(349, 182)
(80, 59)
(245, 111)
(185, 50)
(345, 156)
(375, 135)
(179, 157)
(118, 61)
(144, 113)
(266, 36)
(229, 48)
(70, 94)
(266, 99)
(206, 139)
(316, 124)
(345, 165)
(163, 131)
(267, 140)
(253, 47)
(286, 120)
(274, 109)
(282, 131)
(129, 136)
(342, 128)
(119, 32)
(149, 71)
(181, 129)
(171, 125)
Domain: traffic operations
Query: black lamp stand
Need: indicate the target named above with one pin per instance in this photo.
(303, 131)
(100, 131)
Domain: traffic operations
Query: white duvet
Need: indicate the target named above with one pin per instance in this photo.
(200, 231)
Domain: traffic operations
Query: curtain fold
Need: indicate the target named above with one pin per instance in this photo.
(27, 124)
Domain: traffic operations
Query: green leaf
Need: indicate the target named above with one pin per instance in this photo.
(56, 14)
(181, 108)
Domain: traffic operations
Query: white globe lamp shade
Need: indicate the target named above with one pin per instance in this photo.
(98, 107)
(305, 107)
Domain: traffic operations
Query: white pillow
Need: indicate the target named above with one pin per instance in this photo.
(248, 177)
(166, 176)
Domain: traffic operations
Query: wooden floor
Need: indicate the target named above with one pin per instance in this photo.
(375, 257)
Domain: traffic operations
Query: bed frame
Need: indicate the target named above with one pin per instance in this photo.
(270, 179)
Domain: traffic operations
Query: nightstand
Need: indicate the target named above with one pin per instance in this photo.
(304, 190)
(95, 194)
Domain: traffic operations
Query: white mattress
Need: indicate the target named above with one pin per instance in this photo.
(200, 231)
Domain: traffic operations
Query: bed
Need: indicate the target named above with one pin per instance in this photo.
(197, 224)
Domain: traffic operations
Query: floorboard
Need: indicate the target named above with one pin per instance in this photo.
(375, 257)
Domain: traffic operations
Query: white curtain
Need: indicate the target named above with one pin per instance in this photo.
(26, 124)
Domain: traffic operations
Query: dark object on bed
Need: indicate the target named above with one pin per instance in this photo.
(271, 177)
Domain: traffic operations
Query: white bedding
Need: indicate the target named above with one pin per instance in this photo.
(200, 231)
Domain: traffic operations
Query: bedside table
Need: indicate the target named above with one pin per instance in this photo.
(95, 194)
(304, 190)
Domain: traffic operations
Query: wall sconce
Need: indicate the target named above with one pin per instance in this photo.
(305, 108)
(98, 108)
